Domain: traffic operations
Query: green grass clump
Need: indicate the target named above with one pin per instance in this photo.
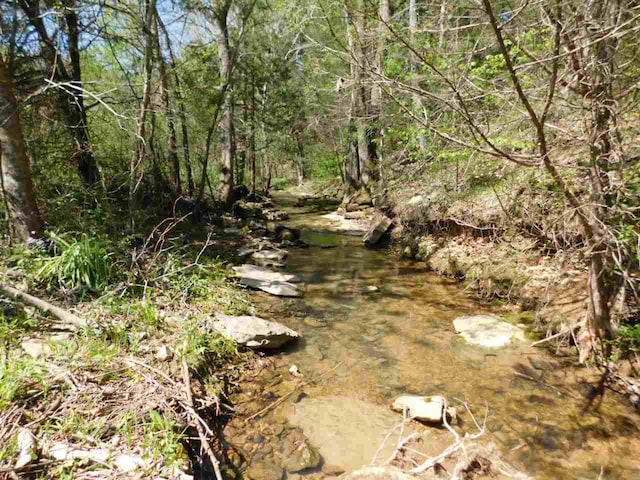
(163, 439)
(202, 349)
(17, 376)
(78, 262)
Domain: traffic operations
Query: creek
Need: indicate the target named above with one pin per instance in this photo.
(543, 411)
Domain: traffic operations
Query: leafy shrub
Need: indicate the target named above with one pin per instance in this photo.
(83, 262)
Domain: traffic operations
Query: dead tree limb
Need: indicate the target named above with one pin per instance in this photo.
(63, 315)
(204, 442)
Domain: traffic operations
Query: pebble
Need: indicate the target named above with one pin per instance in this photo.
(332, 470)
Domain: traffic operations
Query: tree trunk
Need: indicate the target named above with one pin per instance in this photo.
(300, 172)
(251, 147)
(17, 186)
(137, 160)
(227, 146)
(182, 112)
(417, 101)
(172, 142)
(71, 99)
(352, 180)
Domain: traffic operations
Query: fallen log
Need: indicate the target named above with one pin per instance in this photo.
(63, 315)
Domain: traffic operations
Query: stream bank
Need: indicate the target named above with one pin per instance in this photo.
(379, 327)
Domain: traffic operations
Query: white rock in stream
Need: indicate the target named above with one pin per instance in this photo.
(274, 255)
(275, 283)
(254, 332)
(425, 409)
(487, 331)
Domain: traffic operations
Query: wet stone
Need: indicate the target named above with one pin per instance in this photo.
(302, 458)
(315, 323)
(296, 396)
(264, 471)
(332, 470)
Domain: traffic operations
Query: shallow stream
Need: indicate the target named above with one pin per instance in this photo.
(398, 338)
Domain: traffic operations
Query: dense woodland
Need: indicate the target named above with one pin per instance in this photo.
(120, 119)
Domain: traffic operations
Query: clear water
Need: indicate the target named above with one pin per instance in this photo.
(400, 339)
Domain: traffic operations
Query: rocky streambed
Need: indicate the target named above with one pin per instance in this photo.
(374, 328)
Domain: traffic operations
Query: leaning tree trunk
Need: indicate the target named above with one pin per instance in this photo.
(227, 145)
(15, 172)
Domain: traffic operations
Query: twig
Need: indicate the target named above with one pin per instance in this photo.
(206, 446)
(287, 395)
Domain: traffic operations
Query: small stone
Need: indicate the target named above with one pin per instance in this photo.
(315, 323)
(264, 471)
(293, 370)
(278, 429)
(372, 289)
(164, 353)
(128, 463)
(296, 396)
(28, 448)
(302, 458)
(332, 470)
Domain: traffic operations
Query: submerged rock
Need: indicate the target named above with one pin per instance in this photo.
(303, 457)
(425, 409)
(377, 473)
(379, 227)
(264, 471)
(254, 332)
(487, 331)
(347, 431)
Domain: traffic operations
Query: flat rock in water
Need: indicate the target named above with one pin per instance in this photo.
(261, 273)
(425, 409)
(487, 331)
(346, 431)
(377, 473)
(274, 255)
(378, 228)
(254, 332)
(276, 283)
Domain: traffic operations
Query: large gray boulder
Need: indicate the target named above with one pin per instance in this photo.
(254, 332)
(487, 331)
(276, 283)
(379, 227)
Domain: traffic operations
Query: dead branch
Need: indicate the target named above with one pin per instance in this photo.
(288, 394)
(63, 315)
(204, 442)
